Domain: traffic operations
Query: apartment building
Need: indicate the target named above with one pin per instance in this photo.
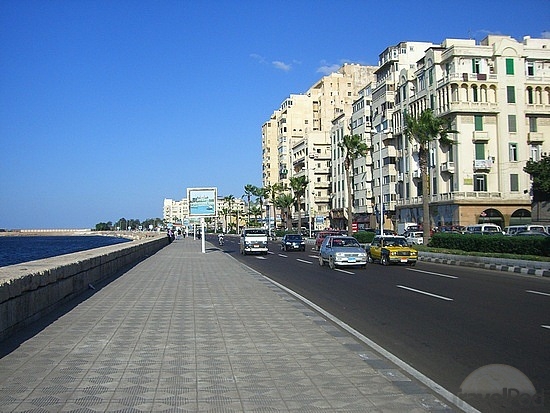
(392, 61)
(496, 94)
(361, 124)
(302, 126)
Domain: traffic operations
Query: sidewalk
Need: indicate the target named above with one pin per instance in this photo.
(185, 331)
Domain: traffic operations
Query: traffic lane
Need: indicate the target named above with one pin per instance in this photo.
(426, 332)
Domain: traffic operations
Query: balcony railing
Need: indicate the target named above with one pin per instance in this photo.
(483, 164)
(448, 167)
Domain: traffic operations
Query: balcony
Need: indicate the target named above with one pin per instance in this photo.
(535, 137)
(389, 152)
(447, 167)
(479, 135)
(483, 164)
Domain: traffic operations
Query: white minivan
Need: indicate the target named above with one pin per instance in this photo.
(485, 229)
(514, 229)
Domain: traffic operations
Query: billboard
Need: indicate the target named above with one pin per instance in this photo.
(202, 202)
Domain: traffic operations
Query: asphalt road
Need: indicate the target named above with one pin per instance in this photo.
(445, 321)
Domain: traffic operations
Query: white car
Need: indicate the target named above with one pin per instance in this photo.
(415, 238)
(342, 251)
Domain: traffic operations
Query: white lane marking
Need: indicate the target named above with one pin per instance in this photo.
(543, 326)
(283, 255)
(437, 388)
(344, 271)
(314, 256)
(304, 261)
(261, 258)
(433, 273)
(269, 252)
(425, 293)
(537, 292)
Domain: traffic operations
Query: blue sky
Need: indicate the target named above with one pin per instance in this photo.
(108, 107)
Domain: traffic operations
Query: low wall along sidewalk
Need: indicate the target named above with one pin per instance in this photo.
(31, 290)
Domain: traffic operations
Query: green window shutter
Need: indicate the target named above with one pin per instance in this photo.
(511, 94)
(480, 151)
(478, 122)
(514, 182)
(512, 123)
(509, 66)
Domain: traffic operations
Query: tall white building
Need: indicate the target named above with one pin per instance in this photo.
(402, 56)
(496, 94)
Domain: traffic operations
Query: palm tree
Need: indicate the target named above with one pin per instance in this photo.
(249, 191)
(272, 192)
(261, 193)
(285, 201)
(353, 147)
(225, 212)
(298, 184)
(229, 200)
(255, 210)
(424, 130)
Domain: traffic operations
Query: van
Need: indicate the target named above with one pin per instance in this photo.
(484, 229)
(253, 240)
(514, 229)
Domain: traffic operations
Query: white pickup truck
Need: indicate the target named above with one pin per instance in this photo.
(253, 240)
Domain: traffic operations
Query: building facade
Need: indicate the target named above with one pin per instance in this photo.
(496, 94)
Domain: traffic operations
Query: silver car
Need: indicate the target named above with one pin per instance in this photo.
(342, 251)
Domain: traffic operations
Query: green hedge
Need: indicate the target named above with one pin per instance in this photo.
(364, 237)
(493, 243)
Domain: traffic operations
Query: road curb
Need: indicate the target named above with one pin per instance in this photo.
(522, 267)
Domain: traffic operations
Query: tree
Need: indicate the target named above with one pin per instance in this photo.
(229, 200)
(353, 147)
(540, 175)
(285, 201)
(261, 193)
(424, 130)
(249, 191)
(298, 184)
(272, 192)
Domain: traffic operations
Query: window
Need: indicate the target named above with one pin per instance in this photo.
(510, 94)
(509, 66)
(480, 182)
(530, 69)
(513, 152)
(478, 119)
(480, 150)
(430, 77)
(514, 183)
(532, 124)
(475, 94)
(530, 98)
(512, 123)
(535, 153)
(475, 65)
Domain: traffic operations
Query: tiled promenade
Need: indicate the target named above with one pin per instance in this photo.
(185, 331)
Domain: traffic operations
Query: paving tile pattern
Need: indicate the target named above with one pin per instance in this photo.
(185, 331)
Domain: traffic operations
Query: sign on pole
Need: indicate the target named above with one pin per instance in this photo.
(202, 204)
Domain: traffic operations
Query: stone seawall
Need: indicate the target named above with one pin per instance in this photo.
(31, 290)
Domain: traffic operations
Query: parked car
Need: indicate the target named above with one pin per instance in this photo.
(293, 242)
(514, 229)
(391, 249)
(485, 229)
(321, 235)
(531, 233)
(342, 251)
(415, 238)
